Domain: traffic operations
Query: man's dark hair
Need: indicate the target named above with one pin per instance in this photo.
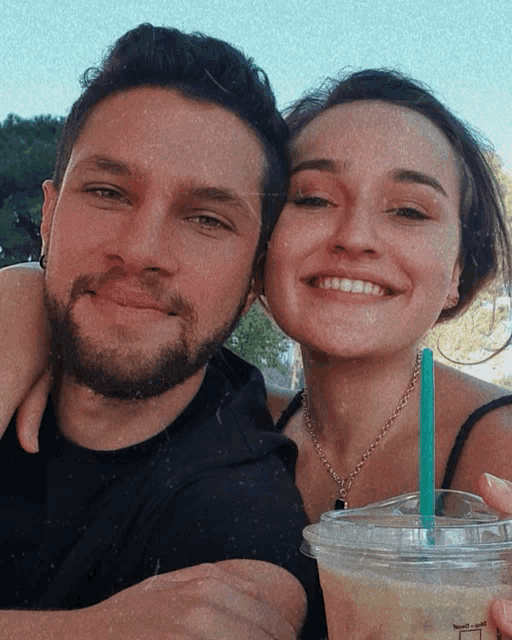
(485, 250)
(202, 68)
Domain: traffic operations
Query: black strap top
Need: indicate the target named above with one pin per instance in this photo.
(460, 440)
(464, 433)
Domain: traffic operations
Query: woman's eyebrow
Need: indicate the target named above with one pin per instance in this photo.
(399, 175)
(408, 175)
(321, 164)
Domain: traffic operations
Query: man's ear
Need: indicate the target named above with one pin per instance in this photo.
(255, 291)
(50, 196)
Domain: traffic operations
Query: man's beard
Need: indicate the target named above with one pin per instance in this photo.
(100, 369)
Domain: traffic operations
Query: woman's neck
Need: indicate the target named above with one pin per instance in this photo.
(350, 401)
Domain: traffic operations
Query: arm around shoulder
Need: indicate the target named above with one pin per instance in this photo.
(24, 335)
(24, 625)
(237, 599)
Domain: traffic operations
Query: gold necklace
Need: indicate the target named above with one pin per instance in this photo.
(344, 484)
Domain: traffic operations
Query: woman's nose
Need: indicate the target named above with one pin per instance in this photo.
(356, 233)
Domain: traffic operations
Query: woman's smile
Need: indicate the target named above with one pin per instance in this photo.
(349, 286)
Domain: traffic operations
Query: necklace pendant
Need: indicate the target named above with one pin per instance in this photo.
(339, 504)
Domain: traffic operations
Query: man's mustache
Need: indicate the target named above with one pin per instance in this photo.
(149, 284)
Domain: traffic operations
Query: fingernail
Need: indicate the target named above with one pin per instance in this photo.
(497, 483)
(505, 608)
(29, 442)
(34, 444)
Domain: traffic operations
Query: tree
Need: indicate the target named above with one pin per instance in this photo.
(259, 341)
(504, 179)
(472, 343)
(486, 325)
(27, 157)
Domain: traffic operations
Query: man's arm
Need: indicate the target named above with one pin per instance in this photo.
(234, 599)
(24, 355)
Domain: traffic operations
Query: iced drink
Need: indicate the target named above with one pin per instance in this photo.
(364, 605)
(386, 577)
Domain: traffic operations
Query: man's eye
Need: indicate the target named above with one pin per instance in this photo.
(209, 222)
(107, 193)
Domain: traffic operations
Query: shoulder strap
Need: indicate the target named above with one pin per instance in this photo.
(465, 432)
(289, 412)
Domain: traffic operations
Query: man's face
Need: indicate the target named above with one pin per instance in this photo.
(150, 240)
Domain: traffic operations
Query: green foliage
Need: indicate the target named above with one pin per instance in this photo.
(506, 381)
(259, 341)
(504, 179)
(27, 156)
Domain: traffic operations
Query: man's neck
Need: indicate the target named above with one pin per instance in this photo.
(103, 424)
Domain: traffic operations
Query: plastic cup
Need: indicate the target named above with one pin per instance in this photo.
(385, 577)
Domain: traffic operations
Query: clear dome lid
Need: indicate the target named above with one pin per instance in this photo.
(462, 525)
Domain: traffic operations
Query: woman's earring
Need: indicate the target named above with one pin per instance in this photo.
(42, 261)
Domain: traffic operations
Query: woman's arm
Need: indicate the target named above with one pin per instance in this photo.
(24, 336)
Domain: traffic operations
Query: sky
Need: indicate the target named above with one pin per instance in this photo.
(462, 49)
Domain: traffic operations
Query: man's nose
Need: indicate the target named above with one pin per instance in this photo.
(145, 241)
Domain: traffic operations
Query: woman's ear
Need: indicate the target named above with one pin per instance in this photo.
(452, 299)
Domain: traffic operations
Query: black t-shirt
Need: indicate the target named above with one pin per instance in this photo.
(79, 525)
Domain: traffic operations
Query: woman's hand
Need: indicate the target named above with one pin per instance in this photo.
(497, 493)
(24, 336)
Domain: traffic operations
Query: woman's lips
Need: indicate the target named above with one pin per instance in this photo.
(350, 285)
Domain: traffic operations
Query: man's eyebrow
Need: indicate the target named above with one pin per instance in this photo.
(320, 164)
(219, 194)
(222, 195)
(408, 175)
(105, 163)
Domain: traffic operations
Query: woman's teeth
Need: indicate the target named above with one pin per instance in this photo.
(350, 286)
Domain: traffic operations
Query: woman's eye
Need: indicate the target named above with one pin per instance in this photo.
(311, 201)
(409, 213)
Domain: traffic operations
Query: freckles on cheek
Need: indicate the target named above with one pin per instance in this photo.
(435, 255)
(445, 252)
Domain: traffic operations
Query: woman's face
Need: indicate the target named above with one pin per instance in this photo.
(365, 253)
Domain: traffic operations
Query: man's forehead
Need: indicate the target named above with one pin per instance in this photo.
(142, 126)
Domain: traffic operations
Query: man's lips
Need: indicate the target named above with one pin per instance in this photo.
(130, 298)
(117, 287)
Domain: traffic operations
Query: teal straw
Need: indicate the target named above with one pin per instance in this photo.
(427, 440)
